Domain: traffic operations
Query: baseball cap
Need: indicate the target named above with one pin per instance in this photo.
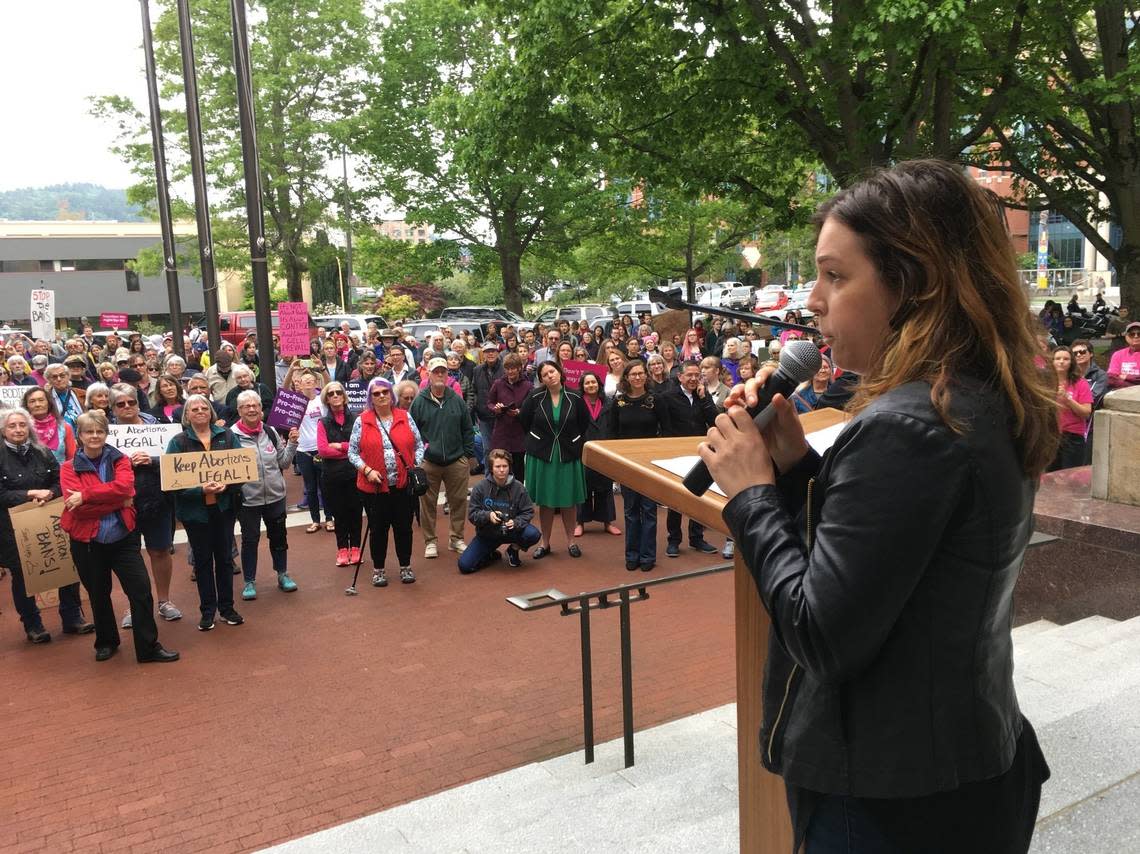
(129, 375)
(437, 363)
(490, 345)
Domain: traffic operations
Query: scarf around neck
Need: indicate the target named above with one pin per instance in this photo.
(47, 428)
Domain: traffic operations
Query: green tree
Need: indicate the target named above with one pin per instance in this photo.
(456, 136)
(1069, 133)
(380, 261)
(305, 57)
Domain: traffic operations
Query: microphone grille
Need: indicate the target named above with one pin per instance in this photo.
(800, 359)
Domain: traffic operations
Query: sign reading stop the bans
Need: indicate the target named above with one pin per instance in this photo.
(44, 548)
(197, 468)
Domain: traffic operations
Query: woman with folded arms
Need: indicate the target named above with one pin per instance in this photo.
(30, 473)
(99, 517)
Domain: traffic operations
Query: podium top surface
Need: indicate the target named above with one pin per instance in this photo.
(630, 463)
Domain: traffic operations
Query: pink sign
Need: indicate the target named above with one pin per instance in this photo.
(574, 371)
(293, 328)
(113, 320)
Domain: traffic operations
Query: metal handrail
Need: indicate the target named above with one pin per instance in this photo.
(582, 604)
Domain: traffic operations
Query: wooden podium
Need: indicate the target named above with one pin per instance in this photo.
(764, 823)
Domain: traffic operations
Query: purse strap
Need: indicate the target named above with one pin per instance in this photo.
(395, 450)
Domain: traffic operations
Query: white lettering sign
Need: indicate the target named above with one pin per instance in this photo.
(152, 438)
(43, 314)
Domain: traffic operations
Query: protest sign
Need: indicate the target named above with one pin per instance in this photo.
(288, 409)
(12, 395)
(113, 320)
(43, 546)
(152, 438)
(293, 328)
(183, 471)
(574, 371)
(43, 314)
(357, 393)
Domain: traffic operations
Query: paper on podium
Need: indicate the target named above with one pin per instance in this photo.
(820, 441)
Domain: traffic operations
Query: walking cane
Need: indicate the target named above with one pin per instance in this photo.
(351, 589)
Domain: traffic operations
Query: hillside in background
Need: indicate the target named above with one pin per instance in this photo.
(67, 201)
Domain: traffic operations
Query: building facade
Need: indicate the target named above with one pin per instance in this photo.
(398, 229)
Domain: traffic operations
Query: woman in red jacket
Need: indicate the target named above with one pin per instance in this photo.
(99, 516)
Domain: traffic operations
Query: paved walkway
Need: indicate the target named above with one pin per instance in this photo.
(324, 708)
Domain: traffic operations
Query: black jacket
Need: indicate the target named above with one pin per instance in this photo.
(483, 378)
(510, 500)
(683, 418)
(537, 419)
(35, 469)
(888, 569)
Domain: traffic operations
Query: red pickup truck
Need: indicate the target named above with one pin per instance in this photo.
(236, 325)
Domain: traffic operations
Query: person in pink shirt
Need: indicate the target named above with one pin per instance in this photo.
(1124, 367)
(1074, 401)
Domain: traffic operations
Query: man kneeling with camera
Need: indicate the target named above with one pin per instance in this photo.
(500, 509)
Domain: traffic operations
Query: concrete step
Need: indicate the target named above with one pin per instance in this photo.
(1028, 630)
(1102, 824)
(1079, 629)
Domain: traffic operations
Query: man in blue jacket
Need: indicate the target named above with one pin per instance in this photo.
(501, 511)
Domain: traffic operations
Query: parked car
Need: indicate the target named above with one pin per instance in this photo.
(588, 312)
(356, 322)
(427, 326)
(638, 308)
(769, 299)
(236, 325)
(480, 312)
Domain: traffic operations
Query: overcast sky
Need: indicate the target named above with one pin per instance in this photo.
(57, 53)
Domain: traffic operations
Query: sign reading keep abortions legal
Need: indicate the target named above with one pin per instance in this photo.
(152, 438)
(197, 468)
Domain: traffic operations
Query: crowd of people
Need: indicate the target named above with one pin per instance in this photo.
(386, 412)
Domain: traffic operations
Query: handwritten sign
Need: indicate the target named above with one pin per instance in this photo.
(43, 314)
(293, 328)
(43, 546)
(357, 393)
(152, 438)
(574, 371)
(288, 409)
(113, 320)
(12, 396)
(197, 468)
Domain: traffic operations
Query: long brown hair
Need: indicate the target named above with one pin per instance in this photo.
(940, 245)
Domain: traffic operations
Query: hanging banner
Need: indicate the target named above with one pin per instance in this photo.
(196, 468)
(293, 328)
(43, 546)
(43, 314)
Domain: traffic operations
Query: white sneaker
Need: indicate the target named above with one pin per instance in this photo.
(167, 611)
(457, 546)
(729, 549)
(431, 550)
(126, 624)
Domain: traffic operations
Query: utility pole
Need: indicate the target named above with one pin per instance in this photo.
(347, 231)
(166, 223)
(255, 215)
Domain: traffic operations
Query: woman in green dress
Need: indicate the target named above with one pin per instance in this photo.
(555, 420)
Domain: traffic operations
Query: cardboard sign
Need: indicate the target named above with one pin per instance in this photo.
(197, 468)
(574, 371)
(357, 393)
(43, 546)
(113, 320)
(12, 396)
(152, 438)
(288, 409)
(293, 328)
(43, 314)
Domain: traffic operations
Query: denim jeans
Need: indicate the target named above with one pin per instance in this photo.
(250, 518)
(485, 428)
(311, 475)
(673, 525)
(640, 527)
(70, 609)
(480, 547)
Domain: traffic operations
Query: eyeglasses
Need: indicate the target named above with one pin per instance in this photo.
(123, 404)
(1132, 332)
(1080, 352)
(381, 392)
(335, 393)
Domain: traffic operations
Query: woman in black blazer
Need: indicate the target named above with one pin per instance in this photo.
(556, 421)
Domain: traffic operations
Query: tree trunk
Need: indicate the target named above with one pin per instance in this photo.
(293, 273)
(1128, 272)
(510, 263)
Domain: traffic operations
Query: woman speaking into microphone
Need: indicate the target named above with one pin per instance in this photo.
(888, 564)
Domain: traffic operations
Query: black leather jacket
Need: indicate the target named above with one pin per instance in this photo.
(888, 569)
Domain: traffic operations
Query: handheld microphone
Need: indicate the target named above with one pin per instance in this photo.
(799, 361)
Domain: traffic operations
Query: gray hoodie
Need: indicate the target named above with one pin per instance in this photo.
(271, 461)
